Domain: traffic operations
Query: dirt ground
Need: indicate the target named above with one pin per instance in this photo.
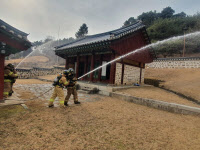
(185, 81)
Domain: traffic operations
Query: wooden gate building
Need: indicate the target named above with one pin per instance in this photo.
(89, 52)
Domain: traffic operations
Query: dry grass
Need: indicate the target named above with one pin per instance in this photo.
(30, 59)
(30, 81)
(105, 124)
(158, 94)
(185, 81)
(48, 77)
(10, 111)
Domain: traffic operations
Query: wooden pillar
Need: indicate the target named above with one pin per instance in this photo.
(122, 75)
(85, 66)
(67, 63)
(77, 65)
(112, 70)
(140, 73)
(92, 67)
(2, 60)
(100, 70)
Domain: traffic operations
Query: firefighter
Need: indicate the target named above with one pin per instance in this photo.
(10, 76)
(59, 84)
(71, 88)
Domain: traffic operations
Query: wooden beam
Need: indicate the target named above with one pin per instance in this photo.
(13, 43)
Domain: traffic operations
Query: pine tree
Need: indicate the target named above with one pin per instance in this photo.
(82, 31)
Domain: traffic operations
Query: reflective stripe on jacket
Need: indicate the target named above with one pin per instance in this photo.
(7, 80)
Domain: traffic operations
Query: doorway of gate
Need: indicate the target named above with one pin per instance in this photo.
(81, 69)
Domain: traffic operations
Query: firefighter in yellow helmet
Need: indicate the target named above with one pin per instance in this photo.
(71, 88)
(59, 83)
(10, 76)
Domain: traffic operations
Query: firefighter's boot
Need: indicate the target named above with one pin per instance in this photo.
(11, 92)
(77, 102)
(65, 103)
(50, 104)
(62, 106)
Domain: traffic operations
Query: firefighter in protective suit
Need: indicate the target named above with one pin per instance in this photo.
(10, 76)
(59, 84)
(71, 88)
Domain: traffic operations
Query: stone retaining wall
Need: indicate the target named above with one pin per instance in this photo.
(33, 73)
(184, 62)
(171, 107)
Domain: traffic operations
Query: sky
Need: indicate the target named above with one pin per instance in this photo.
(63, 18)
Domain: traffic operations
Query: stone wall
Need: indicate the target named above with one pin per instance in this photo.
(185, 62)
(33, 73)
(131, 74)
(118, 74)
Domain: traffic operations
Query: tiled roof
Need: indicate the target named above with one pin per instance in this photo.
(13, 31)
(103, 37)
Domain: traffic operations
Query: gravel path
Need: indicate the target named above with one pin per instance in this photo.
(32, 91)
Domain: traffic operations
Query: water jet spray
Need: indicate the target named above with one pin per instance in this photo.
(139, 49)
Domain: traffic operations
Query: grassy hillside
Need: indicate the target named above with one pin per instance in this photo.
(185, 81)
(29, 59)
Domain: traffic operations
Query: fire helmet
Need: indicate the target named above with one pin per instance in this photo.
(65, 72)
(11, 65)
(71, 70)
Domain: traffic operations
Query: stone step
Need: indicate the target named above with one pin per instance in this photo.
(84, 91)
(89, 90)
(86, 88)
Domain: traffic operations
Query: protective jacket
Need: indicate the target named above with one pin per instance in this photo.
(71, 90)
(58, 92)
(10, 76)
(72, 82)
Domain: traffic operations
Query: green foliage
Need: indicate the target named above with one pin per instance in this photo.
(169, 49)
(165, 25)
(82, 31)
(179, 15)
(175, 47)
(192, 44)
(148, 18)
(167, 13)
(130, 21)
(166, 28)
